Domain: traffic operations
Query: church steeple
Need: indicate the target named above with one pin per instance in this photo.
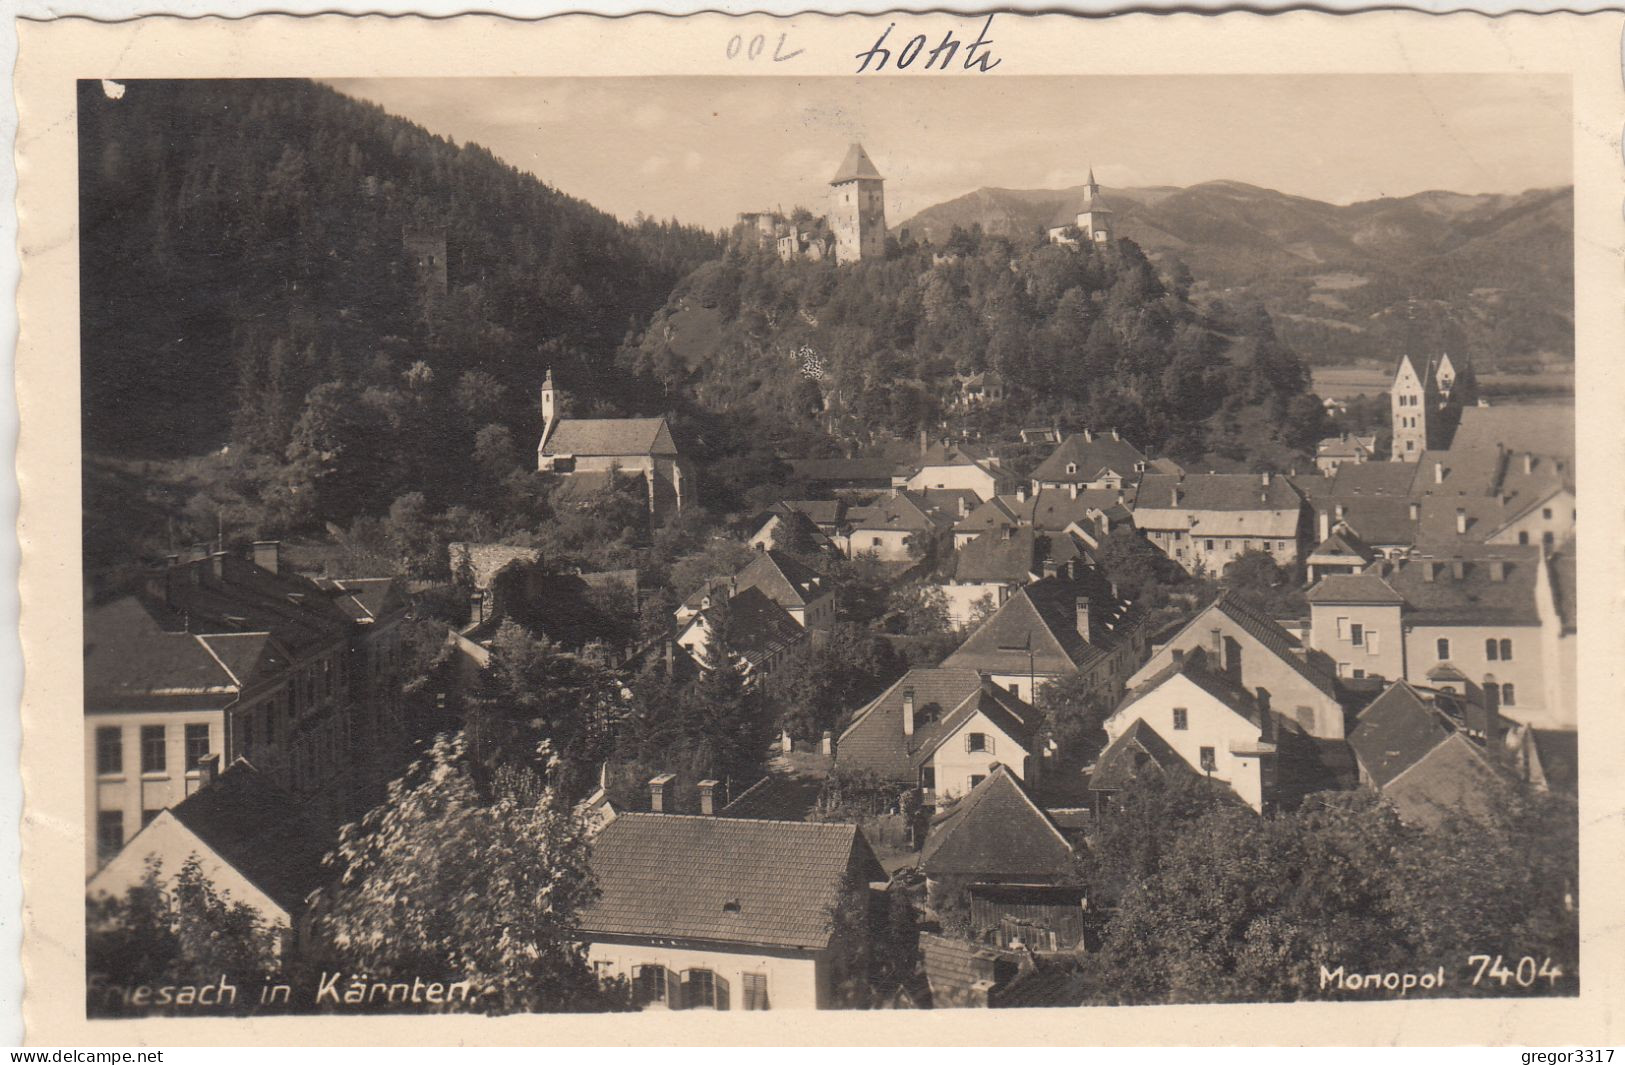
(1095, 220)
(550, 405)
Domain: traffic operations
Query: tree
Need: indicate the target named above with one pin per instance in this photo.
(481, 878)
(1072, 715)
(167, 931)
(1262, 582)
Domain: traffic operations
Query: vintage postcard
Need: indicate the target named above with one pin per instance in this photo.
(639, 530)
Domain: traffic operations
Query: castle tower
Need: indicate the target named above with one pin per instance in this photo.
(1095, 220)
(858, 208)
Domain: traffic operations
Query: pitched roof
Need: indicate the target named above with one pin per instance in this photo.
(260, 830)
(1473, 598)
(1196, 668)
(944, 698)
(129, 657)
(857, 166)
(1365, 588)
(863, 469)
(610, 436)
(1381, 520)
(1341, 546)
(1269, 634)
(1219, 504)
(1375, 478)
(1395, 731)
(1453, 778)
(365, 599)
(820, 511)
(724, 880)
(1000, 512)
(759, 627)
(996, 831)
(1055, 508)
(1541, 428)
(1139, 747)
(1042, 618)
(1092, 456)
(782, 579)
(902, 510)
(995, 555)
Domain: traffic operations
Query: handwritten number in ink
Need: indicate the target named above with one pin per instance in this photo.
(754, 48)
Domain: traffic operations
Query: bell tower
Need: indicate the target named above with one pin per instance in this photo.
(858, 208)
(1095, 220)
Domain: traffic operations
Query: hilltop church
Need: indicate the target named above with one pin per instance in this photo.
(1093, 224)
(589, 451)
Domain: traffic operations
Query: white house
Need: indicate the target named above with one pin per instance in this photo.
(724, 913)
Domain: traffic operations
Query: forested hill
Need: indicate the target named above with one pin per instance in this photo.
(245, 241)
(1083, 337)
(1488, 273)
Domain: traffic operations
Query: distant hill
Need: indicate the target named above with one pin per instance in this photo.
(1490, 274)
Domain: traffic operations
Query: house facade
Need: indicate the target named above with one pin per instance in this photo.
(1206, 521)
(1103, 462)
(724, 913)
(593, 450)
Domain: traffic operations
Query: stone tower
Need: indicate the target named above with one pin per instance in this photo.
(858, 208)
(1414, 403)
(1095, 220)
(550, 405)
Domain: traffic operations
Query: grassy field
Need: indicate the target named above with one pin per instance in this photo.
(1343, 382)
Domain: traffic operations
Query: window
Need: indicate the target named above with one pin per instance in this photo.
(109, 832)
(1015, 688)
(1227, 545)
(1359, 674)
(1506, 650)
(928, 777)
(1523, 539)
(1410, 445)
(754, 991)
(876, 541)
(153, 758)
(1492, 693)
(1210, 545)
(109, 750)
(977, 778)
(1210, 760)
(1072, 467)
(1442, 646)
(978, 741)
(1491, 650)
(1509, 696)
(1546, 512)
(704, 989)
(1356, 633)
(197, 745)
(650, 984)
(1268, 546)
(1306, 718)
(1182, 719)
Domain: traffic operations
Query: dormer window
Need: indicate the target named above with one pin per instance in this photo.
(1072, 467)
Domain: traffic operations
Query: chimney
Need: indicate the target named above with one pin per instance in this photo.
(1082, 607)
(1438, 473)
(827, 744)
(1179, 656)
(1325, 525)
(908, 711)
(208, 768)
(1416, 511)
(963, 508)
(708, 798)
(670, 655)
(1174, 494)
(657, 791)
(1264, 478)
(1528, 462)
(217, 565)
(1340, 512)
(1074, 487)
(1498, 570)
(1115, 436)
(1088, 437)
(268, 554)
(1119, 497)
(1458, 569)
(1429, 571)
(925, 442)
(1493, 747)
(786, 744)
(1461, 521)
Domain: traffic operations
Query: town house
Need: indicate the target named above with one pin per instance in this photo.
(1084, 460)
(590, 451)
(1206, 521)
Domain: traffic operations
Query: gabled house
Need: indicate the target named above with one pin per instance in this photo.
(1340, 553)
(886, 527)
(1089, 461)
(1206, 521)
(1218, 727)
(762, 633)
(1053, 627)
(803, 592)
(253, 842)
(1344, 450)
(1243, 639)
(781, 526)
(963, 466)
(1137, 752)
(983, 389)
(1355, 620)
(1419, 750)
(723, 913)
(942, 730)
(995, 834)
(987, 569)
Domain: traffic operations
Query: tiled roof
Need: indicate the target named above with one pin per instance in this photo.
(1139, 748)
(1341, 546)
(584, 486)
(132, 661)
(610, 436)
(995, 832)
(1053, 509)
(948, 504)
(844, 471)
(1042, 617)
(781, 578)
(943, 698)
(1196, 668)
(995, 556)
(1375, 479)
(1268, 633)
(260, 830)
(723, 880)
(1473, 598)
(1354, 588)
(1395, 731)
(761, 628)
(777, 797)
(822, 512)
(1219, 504)
(1541, 428)
(1091, 457)
(1453, 778)
(901, 510)
(365, 599)
(856, 166)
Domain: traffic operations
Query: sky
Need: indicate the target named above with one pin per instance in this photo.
(703, 149)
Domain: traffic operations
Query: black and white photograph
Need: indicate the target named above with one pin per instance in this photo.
(609, 544)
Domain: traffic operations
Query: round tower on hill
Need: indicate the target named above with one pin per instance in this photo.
(858, 208)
